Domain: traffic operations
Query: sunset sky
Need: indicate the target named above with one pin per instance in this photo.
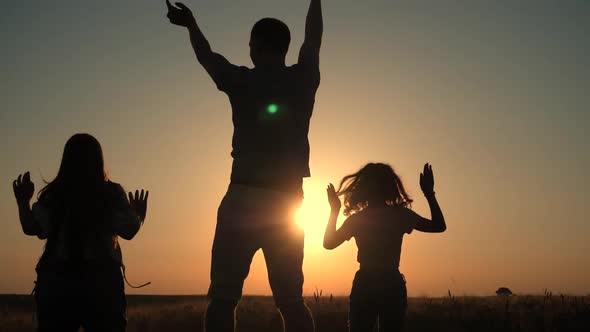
(494, 94)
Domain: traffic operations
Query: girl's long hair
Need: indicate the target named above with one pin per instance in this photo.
(374, 182)
(77, 196)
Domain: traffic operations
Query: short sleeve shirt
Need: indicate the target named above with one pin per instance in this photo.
(379, 233)
(271, 111)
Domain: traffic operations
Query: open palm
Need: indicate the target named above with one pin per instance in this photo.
(139, 203)
(333, 198)
(427, 180)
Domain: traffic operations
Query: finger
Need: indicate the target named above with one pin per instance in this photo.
(15, 187)
(147, 194)
(169, 5)
(181, 6)
(130, 197)
(142, 195)
(137, 195)
(19, 180)
(27, 177)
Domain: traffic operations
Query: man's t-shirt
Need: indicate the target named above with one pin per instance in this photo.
(378, 233)
(271, 110)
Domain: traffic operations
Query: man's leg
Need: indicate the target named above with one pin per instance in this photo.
(362, 315)
(283, 252)
(233, 250)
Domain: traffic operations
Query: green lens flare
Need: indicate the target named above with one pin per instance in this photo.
(272, 108)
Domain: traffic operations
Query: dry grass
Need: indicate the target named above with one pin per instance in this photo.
(257, 313)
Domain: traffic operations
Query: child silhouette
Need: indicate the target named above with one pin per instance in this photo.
(80, 214)
(377, 206)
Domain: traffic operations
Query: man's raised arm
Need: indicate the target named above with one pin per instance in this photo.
(314, 28)
(182, 16)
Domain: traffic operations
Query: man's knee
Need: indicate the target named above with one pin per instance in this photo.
(292, 306)
(222, 304)
(220, 315)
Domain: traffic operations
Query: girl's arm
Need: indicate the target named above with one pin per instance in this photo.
(27, 220)
(23, 192)
(437, 224)
(333, 237)
(130, 214)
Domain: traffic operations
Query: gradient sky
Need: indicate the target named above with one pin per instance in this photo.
(494, 94)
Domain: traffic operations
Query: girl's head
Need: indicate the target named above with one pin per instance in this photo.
(81, 169)
(375, 183)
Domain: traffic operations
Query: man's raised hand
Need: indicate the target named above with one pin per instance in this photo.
(181, 15)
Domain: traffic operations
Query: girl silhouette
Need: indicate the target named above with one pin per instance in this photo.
(378, 210)
(80, 214)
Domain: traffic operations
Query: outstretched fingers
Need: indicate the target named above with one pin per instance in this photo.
(330, 188)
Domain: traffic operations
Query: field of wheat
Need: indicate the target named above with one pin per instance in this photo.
(547, 312)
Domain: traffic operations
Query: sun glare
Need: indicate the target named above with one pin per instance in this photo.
(312, 216)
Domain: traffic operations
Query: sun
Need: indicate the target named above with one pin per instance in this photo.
(313, 215)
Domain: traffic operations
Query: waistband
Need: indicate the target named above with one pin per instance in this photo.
(290, 187)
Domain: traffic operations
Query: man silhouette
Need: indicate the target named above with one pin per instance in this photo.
(271, 108)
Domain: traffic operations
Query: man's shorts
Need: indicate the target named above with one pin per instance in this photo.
(248, 219)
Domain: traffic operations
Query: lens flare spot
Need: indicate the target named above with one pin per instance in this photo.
(272, 108)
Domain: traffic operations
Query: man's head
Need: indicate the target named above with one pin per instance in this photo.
(269, 41)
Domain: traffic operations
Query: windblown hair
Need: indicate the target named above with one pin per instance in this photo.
(373, 182)
(77, 198)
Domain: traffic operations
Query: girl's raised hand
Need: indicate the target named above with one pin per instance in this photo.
(427, 180)
(23, 188)
(139, 203)
(333, 198)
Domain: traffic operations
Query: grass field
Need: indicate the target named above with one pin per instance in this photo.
(257, 313)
